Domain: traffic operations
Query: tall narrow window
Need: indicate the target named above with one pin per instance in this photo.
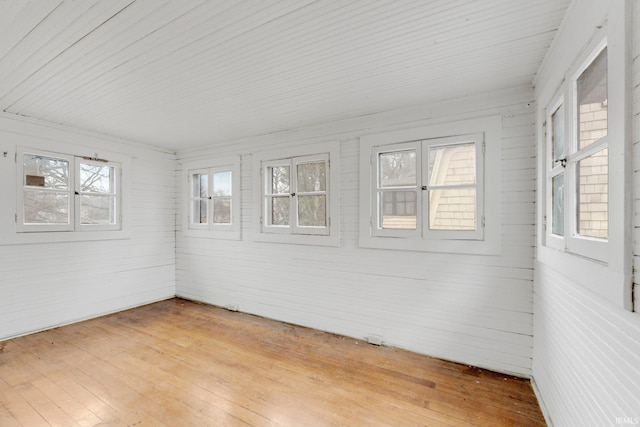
(591, 157)
(398, 190)
(97, 194)
(556, 175)
(47, 192)
(578, 163)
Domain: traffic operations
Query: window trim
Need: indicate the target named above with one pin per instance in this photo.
(231, 231)
(324, 236)
(491, 128)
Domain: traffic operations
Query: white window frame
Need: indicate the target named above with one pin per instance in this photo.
(74, 224)
(604, 268)
(294, 233)
(230, 231)
(554, 240)
(423, 187)
(116, 194)
(487, 134)
(294, 194)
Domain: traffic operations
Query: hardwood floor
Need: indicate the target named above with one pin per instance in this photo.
(178, 363)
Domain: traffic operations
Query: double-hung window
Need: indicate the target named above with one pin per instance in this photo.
(433, 188)
(295, 197)
(429, 189)
(212, 202)
(577, 217)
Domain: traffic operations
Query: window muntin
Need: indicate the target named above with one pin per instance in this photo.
(295, 195)
(429, 189)
(65, 193)
(211, 198)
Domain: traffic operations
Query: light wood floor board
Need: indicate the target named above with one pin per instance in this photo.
(179, 363)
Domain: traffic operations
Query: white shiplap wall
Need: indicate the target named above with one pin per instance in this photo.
(49, 284)
(469, 308)
(586, 359)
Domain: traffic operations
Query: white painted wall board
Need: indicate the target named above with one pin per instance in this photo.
(586, 351)
(471, 308)
(49, 284)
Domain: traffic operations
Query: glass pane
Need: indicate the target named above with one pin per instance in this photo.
(452, 209)
(280, 210)
(593, 195)
(452, 164)
(398, 168)
(557, 134)
(97, 210)
(42, 207)
(279, 177)
(398, 210)
(199, 211)
(97, 178)
(200, 183)
(592, 97)
(45, 172)
(557, 196)
(312, 211)
(222, 210)
(312, 177)
(222, 184)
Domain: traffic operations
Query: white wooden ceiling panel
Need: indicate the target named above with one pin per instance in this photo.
(182, 73)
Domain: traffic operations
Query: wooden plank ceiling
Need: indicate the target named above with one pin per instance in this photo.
(183, 73)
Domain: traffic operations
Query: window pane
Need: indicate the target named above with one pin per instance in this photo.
(222, 184)
(279, 178)
(45, 172)
(312, 177)
(222, 210)
(452, 164)
(593, 195)
(452, 209)
(557, 196)
(97, 210)
(199, 212)
(397, 168)
(312, 211)
(43, 207)
(592, 95)
(280, 210)
(200, 183)
(97, 178)
(557, 134)
(398, 210)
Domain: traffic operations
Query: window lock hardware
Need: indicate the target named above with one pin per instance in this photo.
(293, 194)
(562, 161)
(424, 188)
